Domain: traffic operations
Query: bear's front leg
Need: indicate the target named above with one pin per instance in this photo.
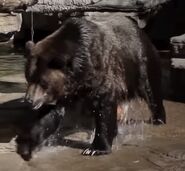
(39, 131)
(106, 127)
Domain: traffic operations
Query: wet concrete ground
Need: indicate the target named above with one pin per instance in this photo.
(138, 147)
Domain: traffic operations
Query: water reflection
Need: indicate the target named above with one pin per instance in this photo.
(11, 64)
(7, 87)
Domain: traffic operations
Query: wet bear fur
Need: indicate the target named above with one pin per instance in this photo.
(105, 60)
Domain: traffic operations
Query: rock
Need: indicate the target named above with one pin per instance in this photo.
(178, 46)
(6, 97)
(178, 39)
(11, 78)
(178, 63)
(12, 5)
(48, 6)
(9, 24)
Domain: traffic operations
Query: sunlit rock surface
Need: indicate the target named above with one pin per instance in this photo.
(61, 5)
(12, 5)
(9, 24)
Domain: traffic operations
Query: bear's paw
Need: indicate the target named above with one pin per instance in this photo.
(95, 152)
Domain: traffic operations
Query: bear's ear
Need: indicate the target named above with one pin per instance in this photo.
(29, 46)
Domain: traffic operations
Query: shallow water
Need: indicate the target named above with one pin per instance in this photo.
(11, 64)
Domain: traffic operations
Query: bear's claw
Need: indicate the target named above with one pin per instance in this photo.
(93, 152)
(157, 121)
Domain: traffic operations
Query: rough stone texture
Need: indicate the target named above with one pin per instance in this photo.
(10, 23)
(178, 46)
(4, 97)
(59, 5)
(178, 66)
(178, 63)
(11, 78)
(65, 5)
(51, 5)
(68, 6)
(143, 3)
(178, 39)
(11, 5)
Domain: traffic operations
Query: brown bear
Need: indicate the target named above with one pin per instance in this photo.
(106, 61)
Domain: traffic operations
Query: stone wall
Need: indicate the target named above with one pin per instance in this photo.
(9, 24)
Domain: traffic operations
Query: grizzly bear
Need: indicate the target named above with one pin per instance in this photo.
(106, 61)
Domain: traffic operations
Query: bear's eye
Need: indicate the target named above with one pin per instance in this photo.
(55, 64)
(44, 84)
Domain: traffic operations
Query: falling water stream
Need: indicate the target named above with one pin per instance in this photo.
(32, 26)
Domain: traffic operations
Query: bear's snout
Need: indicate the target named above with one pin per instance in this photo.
(37, 104)
(36, 96)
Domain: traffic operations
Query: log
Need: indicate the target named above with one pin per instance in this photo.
(15, 5)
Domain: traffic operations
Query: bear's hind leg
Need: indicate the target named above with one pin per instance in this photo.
(106, 127)
(153, 97)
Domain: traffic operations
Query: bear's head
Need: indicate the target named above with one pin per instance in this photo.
(44, 76)
(53, 64)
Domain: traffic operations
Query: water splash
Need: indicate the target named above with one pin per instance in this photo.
(131, 128)
(48, 151)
